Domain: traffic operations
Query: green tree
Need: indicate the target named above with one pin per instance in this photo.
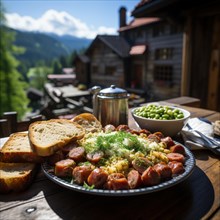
(38, 75)
(57, 68)
(63, 61)
(12, 88)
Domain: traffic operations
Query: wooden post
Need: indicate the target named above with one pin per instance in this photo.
(214, 70)
(4, 128)
(186, 57)
(12, 120)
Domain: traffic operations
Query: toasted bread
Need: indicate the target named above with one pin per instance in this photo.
(16, 176)
(47, 137)
(17, 149)
(88, 121)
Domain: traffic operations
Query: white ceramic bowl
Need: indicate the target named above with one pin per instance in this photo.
(167, 127)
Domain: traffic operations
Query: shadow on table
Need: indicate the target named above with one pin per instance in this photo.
(190, 199)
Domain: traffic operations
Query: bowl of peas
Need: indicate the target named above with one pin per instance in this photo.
(167, 119)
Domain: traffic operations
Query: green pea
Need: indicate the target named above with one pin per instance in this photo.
(159, 112)
(180, 116)
(152, 115)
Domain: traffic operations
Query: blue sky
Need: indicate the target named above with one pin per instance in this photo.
(84, 18)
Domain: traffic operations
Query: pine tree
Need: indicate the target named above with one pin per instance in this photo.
(12, 88)
(57, 69)
(38, 75)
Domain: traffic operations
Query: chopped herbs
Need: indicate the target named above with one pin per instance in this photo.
(86, 186)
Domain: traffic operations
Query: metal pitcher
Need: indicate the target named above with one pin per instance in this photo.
(110, 105)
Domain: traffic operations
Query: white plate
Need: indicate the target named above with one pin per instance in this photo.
(189, 165)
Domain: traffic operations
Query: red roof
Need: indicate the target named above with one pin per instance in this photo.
(137, 50)
(137, 22)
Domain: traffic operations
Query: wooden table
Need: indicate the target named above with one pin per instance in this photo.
(198, 197)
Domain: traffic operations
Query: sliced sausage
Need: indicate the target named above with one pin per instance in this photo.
(178, 149)
(64, 168)
(176, 167)
(133, 131)
(134, 179)
(80, 174)
(164, 170)
(57, 156)
(168, 140)
(97, 178)
(95, 157)
(66, 149)
(141, 164)
(145, 131)
(117, 181)
(77, 154)
(122, 128)
(153, 138)
(150, 177)
(176, 157)
(159, 134)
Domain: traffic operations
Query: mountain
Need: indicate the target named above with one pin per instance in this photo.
(46, 47)
(71, 42)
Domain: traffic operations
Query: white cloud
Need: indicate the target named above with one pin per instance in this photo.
(60, 23)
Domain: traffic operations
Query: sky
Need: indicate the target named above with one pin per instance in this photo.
(80, 18)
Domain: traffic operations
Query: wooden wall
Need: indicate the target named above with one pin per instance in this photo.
(102, 57)
(201, 59)
(165, 40)
(82, 74)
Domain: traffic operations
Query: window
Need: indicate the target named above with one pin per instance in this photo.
(163, 75)
(110, 70)
(164, 53)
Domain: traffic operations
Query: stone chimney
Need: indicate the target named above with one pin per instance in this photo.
(122, 16)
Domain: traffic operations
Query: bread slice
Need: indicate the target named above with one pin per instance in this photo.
(17, 149)
(16, 176)
(88, 121)
(47, 137)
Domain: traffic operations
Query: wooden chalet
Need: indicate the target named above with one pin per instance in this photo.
(155, 56)
(200, 22)
(108, 55)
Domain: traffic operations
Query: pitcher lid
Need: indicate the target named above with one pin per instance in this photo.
(113, 92)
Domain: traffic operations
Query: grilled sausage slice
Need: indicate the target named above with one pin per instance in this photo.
(168, 140)
(176, 167)
(177, 149)
(176, 157)
(95, 157)
(150, 177)
(77, 154)
(117, 181)
(66, 149)
(164, 170)
(141, 164)
(57, 156)
(64, 168)
(97, 178)
(80, 174)
(134, 179)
